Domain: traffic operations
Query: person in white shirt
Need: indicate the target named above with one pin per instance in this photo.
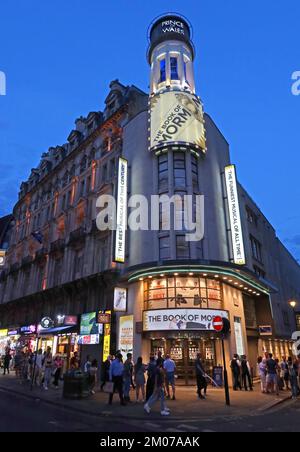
(169, 368)
(38, 367)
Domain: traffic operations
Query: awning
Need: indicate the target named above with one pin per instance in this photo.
(58, 330)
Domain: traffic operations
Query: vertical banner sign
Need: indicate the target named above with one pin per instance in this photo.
(126, 335)
(106, 339)
(240, 349)
(120, 239)
(235, 216)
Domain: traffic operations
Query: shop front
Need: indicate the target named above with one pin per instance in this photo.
(27, 341)
(182, 334)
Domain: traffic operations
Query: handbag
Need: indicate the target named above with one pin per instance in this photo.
(108, 387)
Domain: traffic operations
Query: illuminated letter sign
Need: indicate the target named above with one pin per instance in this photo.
(234, 215)
(121, 212)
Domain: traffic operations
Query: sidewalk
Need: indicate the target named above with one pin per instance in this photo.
(187, 406)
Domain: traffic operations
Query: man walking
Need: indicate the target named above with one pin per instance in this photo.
(200, 375)
(272, 382)
(6, 362)
(48, 364)
(158, 392)
(170, 367)
(246, 373)
(116, 376)
(236, 372)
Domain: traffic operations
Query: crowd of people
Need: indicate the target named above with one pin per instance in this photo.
(153, 382)
(275, 374)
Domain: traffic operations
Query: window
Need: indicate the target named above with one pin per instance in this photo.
(162, 64)
(82, 188)
(259, 272)
(174, 68)
(163, 172)
(298, 321)
(182, 292)
(88, 186)
(104, 173)
(251, 216)
(83, 164)
(112, 168)
(164, 248)
(182, 247)
(63, 203)
(179, 169)
(256, 249)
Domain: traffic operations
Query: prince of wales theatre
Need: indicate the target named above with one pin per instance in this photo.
(163, 285)
(175, 288)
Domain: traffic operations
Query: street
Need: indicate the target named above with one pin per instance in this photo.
(20, 414)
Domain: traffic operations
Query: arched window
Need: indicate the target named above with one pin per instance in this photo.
(83, 164)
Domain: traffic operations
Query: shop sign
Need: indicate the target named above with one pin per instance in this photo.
(3, 333)
(120, 299)
(30, 329)
(91, 339)
(120, 233)
(265, 330)
(126, 335)
(47, 323)
(181, 319)
(106, 342)
(104, 317)
(176, 117)
(67, 320)
(89, 325)
(235, 216)
(12, 332)
(240, 349)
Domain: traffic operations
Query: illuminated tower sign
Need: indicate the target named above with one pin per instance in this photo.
(176, 113)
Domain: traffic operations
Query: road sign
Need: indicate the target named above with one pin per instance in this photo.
(218, 324)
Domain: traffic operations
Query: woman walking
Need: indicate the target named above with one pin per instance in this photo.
(293, 373)
(93, 376)
(262, 371)
(139, 377)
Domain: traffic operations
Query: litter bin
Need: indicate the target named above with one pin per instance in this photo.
(76, 386)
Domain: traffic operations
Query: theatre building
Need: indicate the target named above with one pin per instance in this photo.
(148, 289)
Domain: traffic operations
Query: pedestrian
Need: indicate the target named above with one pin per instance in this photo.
(159, 359)
(6, 362)
(262, 372)
(38, 367)
(75, 362)
(293, 376)
(58, 365)
(170, 368)
(105, 371)
(246, 373)
(158, 392)
(116, 376)
(151, 377)
(236, 372)
(18, 363)
(48, 365)
(139, 378)
(127, 377)
(272, 378)
(93, 375)
(285, 376)
(201, 377)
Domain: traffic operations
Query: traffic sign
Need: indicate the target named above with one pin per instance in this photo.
(218, 324)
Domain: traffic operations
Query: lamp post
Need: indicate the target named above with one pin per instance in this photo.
(293, 305)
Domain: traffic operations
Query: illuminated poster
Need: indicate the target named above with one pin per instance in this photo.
(240, 349)
(119, 255)
(181, 319)
(120, 299)
(235, 216)
(176, 117)
(2, 257)
(106, 342)
(126, 335)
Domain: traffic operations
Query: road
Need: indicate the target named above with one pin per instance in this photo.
(18, 414)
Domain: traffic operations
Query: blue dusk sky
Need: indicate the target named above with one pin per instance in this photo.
(60, 56)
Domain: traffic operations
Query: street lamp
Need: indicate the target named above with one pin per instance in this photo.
(293, 304)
